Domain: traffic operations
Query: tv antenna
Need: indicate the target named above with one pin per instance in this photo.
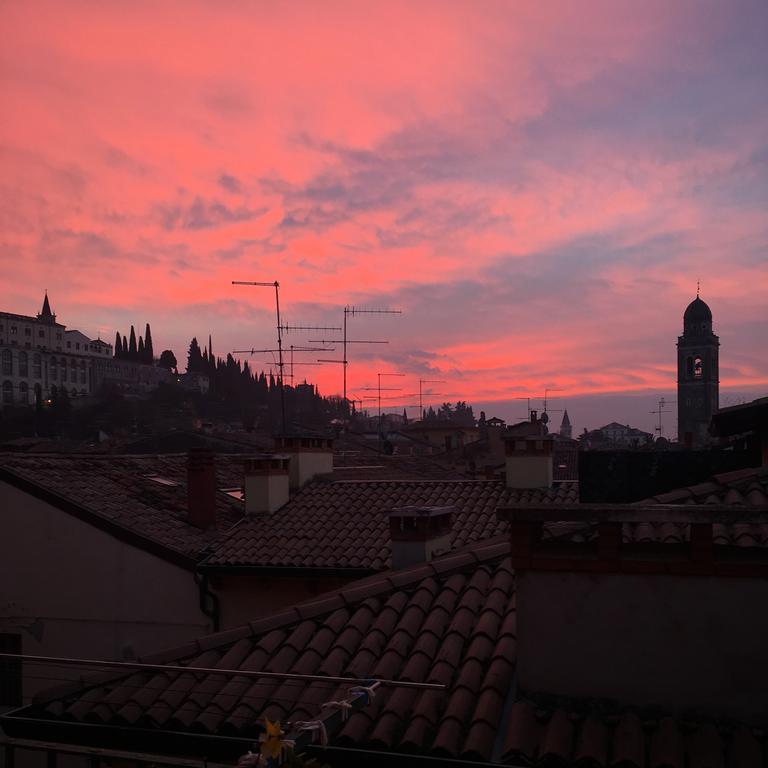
(661, 411)
(276, 286)
(427, 381)
(380, 390)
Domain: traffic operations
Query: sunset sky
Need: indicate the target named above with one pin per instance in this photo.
(537, 185)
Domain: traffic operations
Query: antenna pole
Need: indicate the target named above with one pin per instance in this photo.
(276, 286)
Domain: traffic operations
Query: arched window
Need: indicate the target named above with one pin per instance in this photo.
(24, 393)
(54, 368)
(698, 367)
(7, 392)
(7, 362)
(73, 372)
(54, 392)
(37, 370)
(23, 367)
(73, 392)
(82, 371)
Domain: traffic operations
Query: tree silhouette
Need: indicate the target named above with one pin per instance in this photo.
(167, 360)
(132, 349)
(149, 353)
(118, 345)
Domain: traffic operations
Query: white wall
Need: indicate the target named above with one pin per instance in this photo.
(71, 589)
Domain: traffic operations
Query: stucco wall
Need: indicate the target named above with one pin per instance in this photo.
(679, 643)
(71, 589)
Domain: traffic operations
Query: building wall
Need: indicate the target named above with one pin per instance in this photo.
(70, 589)
(245, 597)
(679, 643)
(39, 354)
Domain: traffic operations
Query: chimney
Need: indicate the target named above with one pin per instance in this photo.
(528, 449)
(266, 483)
(310, 457)
(419, 534)
(201, 488)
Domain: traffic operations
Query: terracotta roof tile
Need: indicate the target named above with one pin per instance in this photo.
(453, 627)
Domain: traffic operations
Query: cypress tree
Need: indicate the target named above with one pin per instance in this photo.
(149, 352)
(194, 358)
(140, 354)
(124, 352)
(118, 345)
(132, 350)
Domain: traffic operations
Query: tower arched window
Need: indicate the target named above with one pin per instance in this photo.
(698, 367)
(7, 362)
(7, 392)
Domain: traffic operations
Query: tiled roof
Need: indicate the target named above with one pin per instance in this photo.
(115, 490)
(344, 524)
(743, 487)
(562, 737)
(451, 622)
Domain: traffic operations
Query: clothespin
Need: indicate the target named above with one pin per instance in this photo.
(369, 691)
(248, 760)
(316, 727)
(343, 706)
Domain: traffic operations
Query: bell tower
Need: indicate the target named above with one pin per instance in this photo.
(697, 375)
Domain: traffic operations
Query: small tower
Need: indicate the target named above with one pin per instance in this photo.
(45, 315)
(566, 430)
(697, 375)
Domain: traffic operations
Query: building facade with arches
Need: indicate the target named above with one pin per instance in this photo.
(39, 357)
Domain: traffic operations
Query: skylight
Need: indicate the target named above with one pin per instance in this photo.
(234, 493)
(162, 480)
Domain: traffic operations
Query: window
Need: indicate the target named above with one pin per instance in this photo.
(698, 367)
(7, 392)
(24, 393)
(14, 330)
(73, 392)
(73, 371)
(10, 671)
(23, 366)
(689, 366)
(77, 345)
(54, 368)
(69, 345)
(37, 371)
(27, 331)
(58, 336)
(41, 334)
(82, 372)
(234, 493)
(7, 362)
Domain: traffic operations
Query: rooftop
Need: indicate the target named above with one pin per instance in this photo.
(450, 622)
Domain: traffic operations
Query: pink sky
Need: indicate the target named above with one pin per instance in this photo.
(538, 186)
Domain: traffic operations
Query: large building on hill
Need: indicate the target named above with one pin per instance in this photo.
(698, 378)
(39, 356)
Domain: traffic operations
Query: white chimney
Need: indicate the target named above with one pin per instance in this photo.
(310, 457)
(266, 483)
(419, 534)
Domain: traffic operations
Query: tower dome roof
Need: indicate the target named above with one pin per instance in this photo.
(697, 311)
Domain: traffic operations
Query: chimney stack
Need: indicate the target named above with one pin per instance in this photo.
(201, 488)
(310, 456)
(419, 534)
(266, 483)
(528, 449)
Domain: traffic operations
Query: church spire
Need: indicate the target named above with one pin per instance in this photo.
(46, 316)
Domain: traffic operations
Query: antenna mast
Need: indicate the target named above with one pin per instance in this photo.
(276, 286)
